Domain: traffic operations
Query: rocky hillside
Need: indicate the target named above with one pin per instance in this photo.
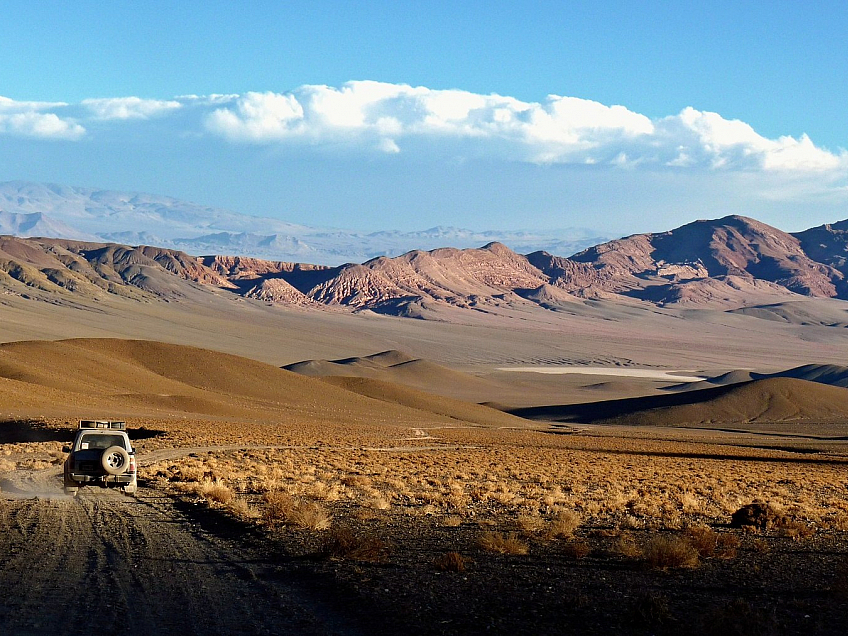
(728, 263)
(827, 244)
(704, 261)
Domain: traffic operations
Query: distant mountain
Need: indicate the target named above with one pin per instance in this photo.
(38, 224)
(827, 244)
(145, 219)
(734, 264)
(732, 259)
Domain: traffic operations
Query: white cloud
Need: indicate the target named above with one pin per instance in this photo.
(27, 119)
(557, 130)
(399, 118)
(128, 107)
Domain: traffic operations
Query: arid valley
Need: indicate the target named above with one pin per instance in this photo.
(640, 439)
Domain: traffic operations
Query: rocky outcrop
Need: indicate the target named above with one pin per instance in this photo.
(731, 262)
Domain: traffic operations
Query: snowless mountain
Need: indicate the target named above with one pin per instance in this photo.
(733, 264)
(146, 219)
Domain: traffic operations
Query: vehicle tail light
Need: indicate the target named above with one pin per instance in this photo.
(132, 464)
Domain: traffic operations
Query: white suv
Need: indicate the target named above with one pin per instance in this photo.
(101, 455)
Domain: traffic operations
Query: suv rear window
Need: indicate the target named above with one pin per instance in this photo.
(92, 441)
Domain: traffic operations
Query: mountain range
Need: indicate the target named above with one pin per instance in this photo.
(733, 263)
(87, 214)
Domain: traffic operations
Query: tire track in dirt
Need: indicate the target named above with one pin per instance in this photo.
(107, 563)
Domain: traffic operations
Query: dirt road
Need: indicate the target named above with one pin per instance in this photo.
(105, 563)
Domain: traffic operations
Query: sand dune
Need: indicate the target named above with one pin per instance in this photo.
(832, 374)
(397, 367)
(456, 409)
(769, 400)
(110, 377)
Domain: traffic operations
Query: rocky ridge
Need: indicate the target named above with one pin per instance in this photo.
(728, 263)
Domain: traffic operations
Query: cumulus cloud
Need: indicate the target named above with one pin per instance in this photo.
(557, 130)
(394, 119)
(128, 107)
(28, 119)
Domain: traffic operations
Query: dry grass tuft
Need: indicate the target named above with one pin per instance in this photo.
(704, 540)
(242, 509)
(452, 521)
(670, 552)
(563, 526)
(310, 516)
(281, 507)
(216, 491)
(626, 546)
(796, 530)
(530, 523)
(342, 543)
(727, 545)
(502, 544)
(450, 562)
(278, 507)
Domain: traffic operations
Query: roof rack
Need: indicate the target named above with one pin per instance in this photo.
(107, 424)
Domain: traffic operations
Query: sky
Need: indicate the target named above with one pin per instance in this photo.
(616, 116)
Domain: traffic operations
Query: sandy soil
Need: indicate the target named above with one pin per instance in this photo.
(174, 561)
(107, 563)
(168, 563)
(650, 374)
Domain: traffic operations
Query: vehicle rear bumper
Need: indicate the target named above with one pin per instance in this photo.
(82, 478)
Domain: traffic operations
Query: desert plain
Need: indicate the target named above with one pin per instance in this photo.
(498, 466)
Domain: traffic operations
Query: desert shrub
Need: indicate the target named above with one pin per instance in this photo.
(530, 523)
(343, 543)
(726, 546)
(704, 540)
(758, 515)
(631, 522)
(450, 562)
(563, 525)
(452, 521)
(670, 552)
(278, 507)
(281, 507)
(795, 529)
(310, 516)
(191, 473)
(242, 509)
(216, 491)
(378, 502)
(502, 544)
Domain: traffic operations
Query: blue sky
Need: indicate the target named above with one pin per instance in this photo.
(620, 116)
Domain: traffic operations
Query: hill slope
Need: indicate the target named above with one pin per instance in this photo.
(768, 400)
(108, 377)
(694, 262)
(427, 402)
(733, 263)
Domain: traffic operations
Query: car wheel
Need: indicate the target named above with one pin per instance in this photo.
(72, 492)
(115, 460)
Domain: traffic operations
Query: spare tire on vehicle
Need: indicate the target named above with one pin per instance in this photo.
(115, 460)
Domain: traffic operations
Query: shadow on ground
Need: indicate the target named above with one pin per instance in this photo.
(20, 431)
